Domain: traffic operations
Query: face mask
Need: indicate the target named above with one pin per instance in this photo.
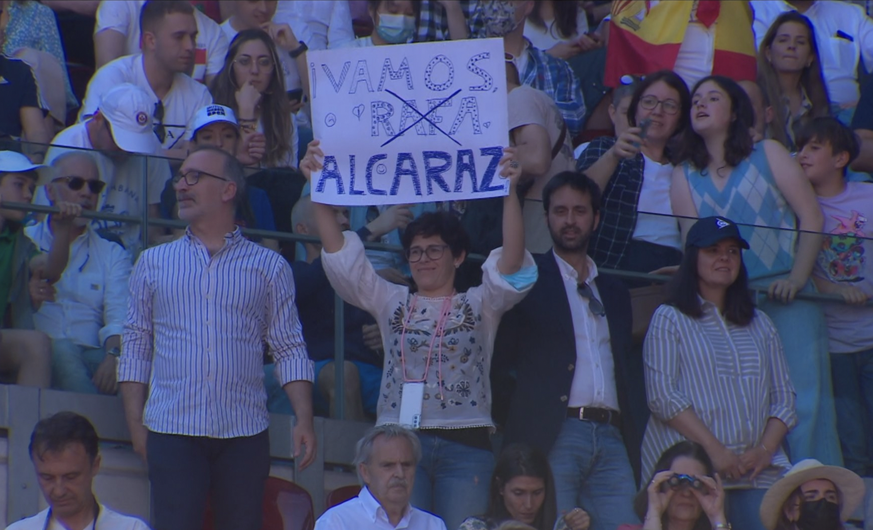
(499, 17)
(395, 29)
(819, 515)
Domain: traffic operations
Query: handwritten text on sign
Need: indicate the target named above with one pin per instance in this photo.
(409, 123)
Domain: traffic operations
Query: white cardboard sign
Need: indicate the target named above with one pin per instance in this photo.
(409, 123)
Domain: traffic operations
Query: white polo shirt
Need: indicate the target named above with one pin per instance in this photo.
(106, 519)
(91, 301)
(181, 103)
(123, 17)
(844, 34)
(365, 513)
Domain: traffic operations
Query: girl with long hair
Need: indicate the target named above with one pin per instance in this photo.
(789, 71)
(252, 84)
(716, 374)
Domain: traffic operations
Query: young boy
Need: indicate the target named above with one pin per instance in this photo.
(845, 267)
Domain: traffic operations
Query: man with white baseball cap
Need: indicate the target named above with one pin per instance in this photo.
(812, 496)
(121, 125)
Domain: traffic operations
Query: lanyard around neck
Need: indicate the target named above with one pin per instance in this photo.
(439, 330)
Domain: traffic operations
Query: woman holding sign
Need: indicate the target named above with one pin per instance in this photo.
(438, 342)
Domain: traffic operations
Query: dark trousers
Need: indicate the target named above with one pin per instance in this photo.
(642, 256)
(184, 470)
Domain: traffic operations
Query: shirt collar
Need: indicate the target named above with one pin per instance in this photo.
(568, 272)
(230, 238)
(374, 509)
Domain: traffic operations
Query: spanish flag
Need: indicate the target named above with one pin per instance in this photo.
(645, 36)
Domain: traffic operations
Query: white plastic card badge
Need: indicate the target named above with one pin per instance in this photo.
(410, 405)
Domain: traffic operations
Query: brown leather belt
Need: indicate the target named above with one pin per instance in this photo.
(596, 415)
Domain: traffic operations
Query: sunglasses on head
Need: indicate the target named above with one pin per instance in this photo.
(76, 183)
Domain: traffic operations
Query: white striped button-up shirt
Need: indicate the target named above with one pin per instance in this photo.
(734, 378)
(196, 330)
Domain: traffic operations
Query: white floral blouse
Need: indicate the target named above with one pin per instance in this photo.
(457, 392)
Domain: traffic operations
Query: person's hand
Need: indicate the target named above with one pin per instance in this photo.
(252, 149)
(303, 435)
(247, 100)
(282, 35)
(105, 378)
(756, 459)
(577, 519)
(510, 168)
(64, 219)
(628, 143)
(565, 50)
(669, 270)
(659, 500)
(295, 106)
(40, 290)
(588, 42)
(313, 160)
(727, 463)
(139, 436)
(852, 295)
(784, 290)
(394, 276)
(395, 217)
(712, 502)
(372, 337)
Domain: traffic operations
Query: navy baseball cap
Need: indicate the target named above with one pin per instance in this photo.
(710, 230)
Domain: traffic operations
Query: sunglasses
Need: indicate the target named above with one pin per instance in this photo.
(594, 304)
(76, 183)
(159, 128)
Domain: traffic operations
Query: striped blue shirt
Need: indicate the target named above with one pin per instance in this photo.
(733, 377)
(196, 331)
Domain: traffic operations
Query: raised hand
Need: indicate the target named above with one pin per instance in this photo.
(313, 160)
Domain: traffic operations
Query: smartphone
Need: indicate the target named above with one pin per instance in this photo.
(644, 125)
(296, 95)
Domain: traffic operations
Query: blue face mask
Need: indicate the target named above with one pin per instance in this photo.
(395, 29)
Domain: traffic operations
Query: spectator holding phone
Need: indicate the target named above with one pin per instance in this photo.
(560, 29)
(251, 85)
(684, 492)
(634, 171)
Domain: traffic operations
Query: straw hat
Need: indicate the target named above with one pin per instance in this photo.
(849, 485)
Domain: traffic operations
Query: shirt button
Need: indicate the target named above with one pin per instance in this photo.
(563, 399)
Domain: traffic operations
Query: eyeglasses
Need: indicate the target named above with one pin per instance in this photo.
(192, 177)
(594, 304)
(670, 106)
(246, 62)
(76, 183)
(160, 130)
(433, 252)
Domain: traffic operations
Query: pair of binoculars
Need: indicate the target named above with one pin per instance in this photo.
(680, 481)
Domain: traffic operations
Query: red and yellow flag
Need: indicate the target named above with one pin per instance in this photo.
(645, 36)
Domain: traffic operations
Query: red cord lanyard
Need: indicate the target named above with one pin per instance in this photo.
(437, 336)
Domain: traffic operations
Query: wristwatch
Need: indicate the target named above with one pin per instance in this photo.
(299, 51)
(114, 352)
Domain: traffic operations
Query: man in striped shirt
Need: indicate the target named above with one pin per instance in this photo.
(202, 309)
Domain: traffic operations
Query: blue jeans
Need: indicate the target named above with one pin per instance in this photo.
(592, 471)
(802, 328)
(743, 508)
(853, 396)
(452, 479)
(73, 366)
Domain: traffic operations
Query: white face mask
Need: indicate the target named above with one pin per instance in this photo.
(395, 29)
(499, 17)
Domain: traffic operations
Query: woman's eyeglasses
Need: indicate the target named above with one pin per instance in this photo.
(76, 183)
(670, 106)
(265, 63)
(192, 177)
(433, 252)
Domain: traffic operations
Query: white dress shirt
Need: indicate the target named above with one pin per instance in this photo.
(365, 513)
(106, 519)
(91, 301)
(844, 34)
(196, 332)
(594, 377)
(321, 25)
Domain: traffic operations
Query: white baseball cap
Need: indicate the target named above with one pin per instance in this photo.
(128, 109)
(12, 162)
(212, 114)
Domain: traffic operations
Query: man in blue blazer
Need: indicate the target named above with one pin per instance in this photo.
(568, 344)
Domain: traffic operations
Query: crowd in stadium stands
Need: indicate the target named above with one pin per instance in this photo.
(725, 144)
